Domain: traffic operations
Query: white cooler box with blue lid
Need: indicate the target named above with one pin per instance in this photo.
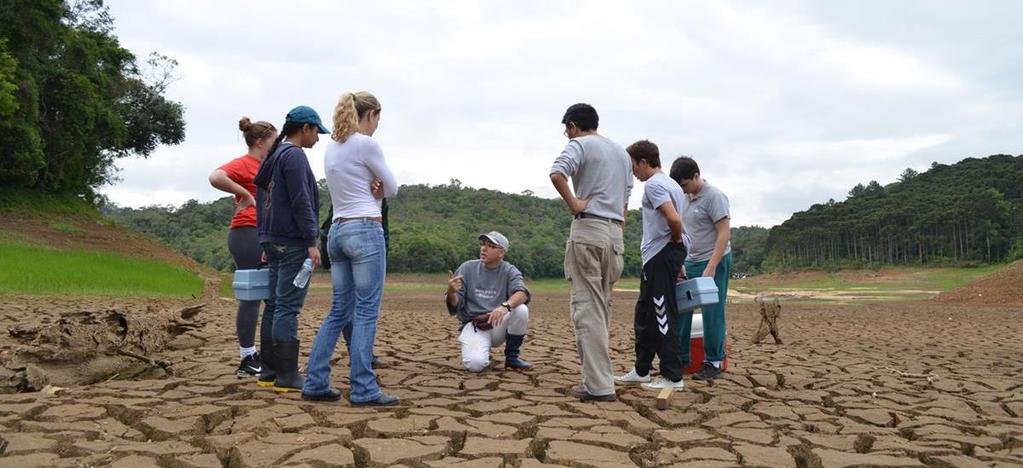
(252, 285)
(695, 293)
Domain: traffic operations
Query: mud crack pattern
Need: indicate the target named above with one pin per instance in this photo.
(915, 384)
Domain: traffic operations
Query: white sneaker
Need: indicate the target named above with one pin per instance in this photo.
(632, 378)
(661, 383)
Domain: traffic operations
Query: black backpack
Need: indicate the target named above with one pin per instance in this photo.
(324, 228)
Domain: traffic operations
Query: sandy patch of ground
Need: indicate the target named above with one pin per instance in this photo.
(1002, 288)
(851, 295)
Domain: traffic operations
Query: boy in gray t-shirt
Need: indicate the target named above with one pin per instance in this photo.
(708, 221)
(489, 298)
(663, 251)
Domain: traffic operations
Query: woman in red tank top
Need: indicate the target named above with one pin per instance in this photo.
(235, 178)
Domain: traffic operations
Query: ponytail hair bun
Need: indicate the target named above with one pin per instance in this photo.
(255, 131)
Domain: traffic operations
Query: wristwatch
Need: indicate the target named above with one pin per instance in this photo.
(506, 306)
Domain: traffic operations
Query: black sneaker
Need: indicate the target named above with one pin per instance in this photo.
(708, 372)
(249, 366)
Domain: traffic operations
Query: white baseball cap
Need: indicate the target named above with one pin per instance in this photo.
(496, 238)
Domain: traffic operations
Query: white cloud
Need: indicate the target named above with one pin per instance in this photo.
(783, 104)
(887, 69)
(790, 176)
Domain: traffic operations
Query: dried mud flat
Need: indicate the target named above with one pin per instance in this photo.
(912, 384)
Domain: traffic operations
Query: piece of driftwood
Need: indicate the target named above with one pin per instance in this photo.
(770, 312)
(84, 346)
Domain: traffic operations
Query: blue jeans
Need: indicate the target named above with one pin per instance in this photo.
(713, 316)
(280, 316)
(358, 266)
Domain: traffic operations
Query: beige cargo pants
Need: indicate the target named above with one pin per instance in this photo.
(593, 263)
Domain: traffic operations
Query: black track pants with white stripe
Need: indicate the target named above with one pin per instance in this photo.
(657, 314)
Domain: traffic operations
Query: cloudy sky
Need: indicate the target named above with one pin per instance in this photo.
(783, 104)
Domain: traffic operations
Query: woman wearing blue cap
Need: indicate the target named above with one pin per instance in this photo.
(286, 209)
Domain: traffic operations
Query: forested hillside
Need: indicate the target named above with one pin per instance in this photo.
(966, 213)
(748, 249)
(198, 230)
(433, 229)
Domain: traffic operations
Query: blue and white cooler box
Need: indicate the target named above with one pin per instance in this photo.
(252, 285)
(690, 295)
(695, 293)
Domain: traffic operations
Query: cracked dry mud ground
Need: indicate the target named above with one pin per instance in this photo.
(848, 388)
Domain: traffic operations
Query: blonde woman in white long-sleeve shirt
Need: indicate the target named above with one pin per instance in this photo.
(353, 161)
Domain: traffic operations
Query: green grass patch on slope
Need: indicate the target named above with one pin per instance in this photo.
(944, 279)
(34, 270)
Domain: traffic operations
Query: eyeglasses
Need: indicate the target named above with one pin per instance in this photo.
(568, 127)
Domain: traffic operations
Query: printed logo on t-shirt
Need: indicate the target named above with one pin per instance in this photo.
(485, 293)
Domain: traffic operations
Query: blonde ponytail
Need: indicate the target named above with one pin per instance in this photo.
(350, 108)
(346, 118)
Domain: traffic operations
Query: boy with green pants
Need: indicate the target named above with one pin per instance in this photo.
(708, 222)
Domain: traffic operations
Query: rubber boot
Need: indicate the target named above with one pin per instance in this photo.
(288, 379)
(511, 352)
(267, 362)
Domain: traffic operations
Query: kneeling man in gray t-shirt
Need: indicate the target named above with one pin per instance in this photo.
(489, 298)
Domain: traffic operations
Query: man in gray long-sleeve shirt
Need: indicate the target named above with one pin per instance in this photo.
(493, 290)
(601, 174)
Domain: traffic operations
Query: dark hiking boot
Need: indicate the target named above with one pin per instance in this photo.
(382, 400)
(580, 392)
(511, 353)
(331, 395)
(708, 372)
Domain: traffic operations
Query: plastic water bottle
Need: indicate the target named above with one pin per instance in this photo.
(302, 278)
